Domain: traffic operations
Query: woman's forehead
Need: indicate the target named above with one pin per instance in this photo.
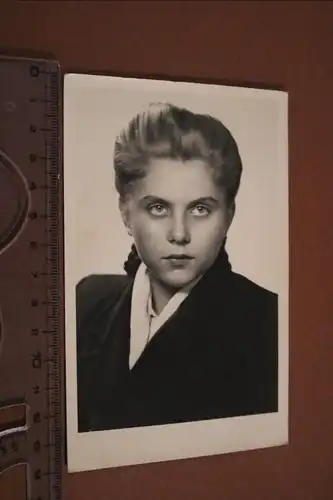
(177, 180)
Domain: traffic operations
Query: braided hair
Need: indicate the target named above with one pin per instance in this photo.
(133, 262)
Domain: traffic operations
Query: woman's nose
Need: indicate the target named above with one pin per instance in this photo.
(179, 232)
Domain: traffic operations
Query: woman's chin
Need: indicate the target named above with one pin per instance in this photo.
(177, 279)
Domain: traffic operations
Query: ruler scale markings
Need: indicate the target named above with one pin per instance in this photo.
(38, 84)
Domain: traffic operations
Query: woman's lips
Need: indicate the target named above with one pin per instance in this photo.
(178, 260)
(182, 256)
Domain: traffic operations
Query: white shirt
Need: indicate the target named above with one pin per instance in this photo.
(145, 323)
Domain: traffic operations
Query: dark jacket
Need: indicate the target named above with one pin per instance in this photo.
(216, 357)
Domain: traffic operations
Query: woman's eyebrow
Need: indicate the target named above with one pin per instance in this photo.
(153, 199)
(208, 200)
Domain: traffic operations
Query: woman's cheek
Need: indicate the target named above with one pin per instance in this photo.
(153, 228)
(145, 231)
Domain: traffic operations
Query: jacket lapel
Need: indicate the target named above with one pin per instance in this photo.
(113, 358)
(116, 345)
(188, 331)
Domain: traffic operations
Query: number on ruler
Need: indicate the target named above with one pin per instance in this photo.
(38, 474)
(36, 418)
(34, 71)
(37, 446)
(37, 360)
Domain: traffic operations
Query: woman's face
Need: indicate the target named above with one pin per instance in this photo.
(178, 218)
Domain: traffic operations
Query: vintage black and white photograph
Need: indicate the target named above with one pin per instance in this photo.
(176, 269)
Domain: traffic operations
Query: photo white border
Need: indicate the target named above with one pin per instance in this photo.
(114, 448)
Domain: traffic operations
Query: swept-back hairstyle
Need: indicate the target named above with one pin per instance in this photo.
(167, 131)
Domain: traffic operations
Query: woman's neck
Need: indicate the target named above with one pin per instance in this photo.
(160, 295)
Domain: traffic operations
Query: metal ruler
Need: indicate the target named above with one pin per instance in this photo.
(31, 317)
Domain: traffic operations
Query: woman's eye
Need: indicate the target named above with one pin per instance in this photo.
(157, 209)
(200, 210)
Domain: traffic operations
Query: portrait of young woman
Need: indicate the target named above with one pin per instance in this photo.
(182, 337)
(176, 334)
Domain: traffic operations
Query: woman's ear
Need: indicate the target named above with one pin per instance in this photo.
(124, 212)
